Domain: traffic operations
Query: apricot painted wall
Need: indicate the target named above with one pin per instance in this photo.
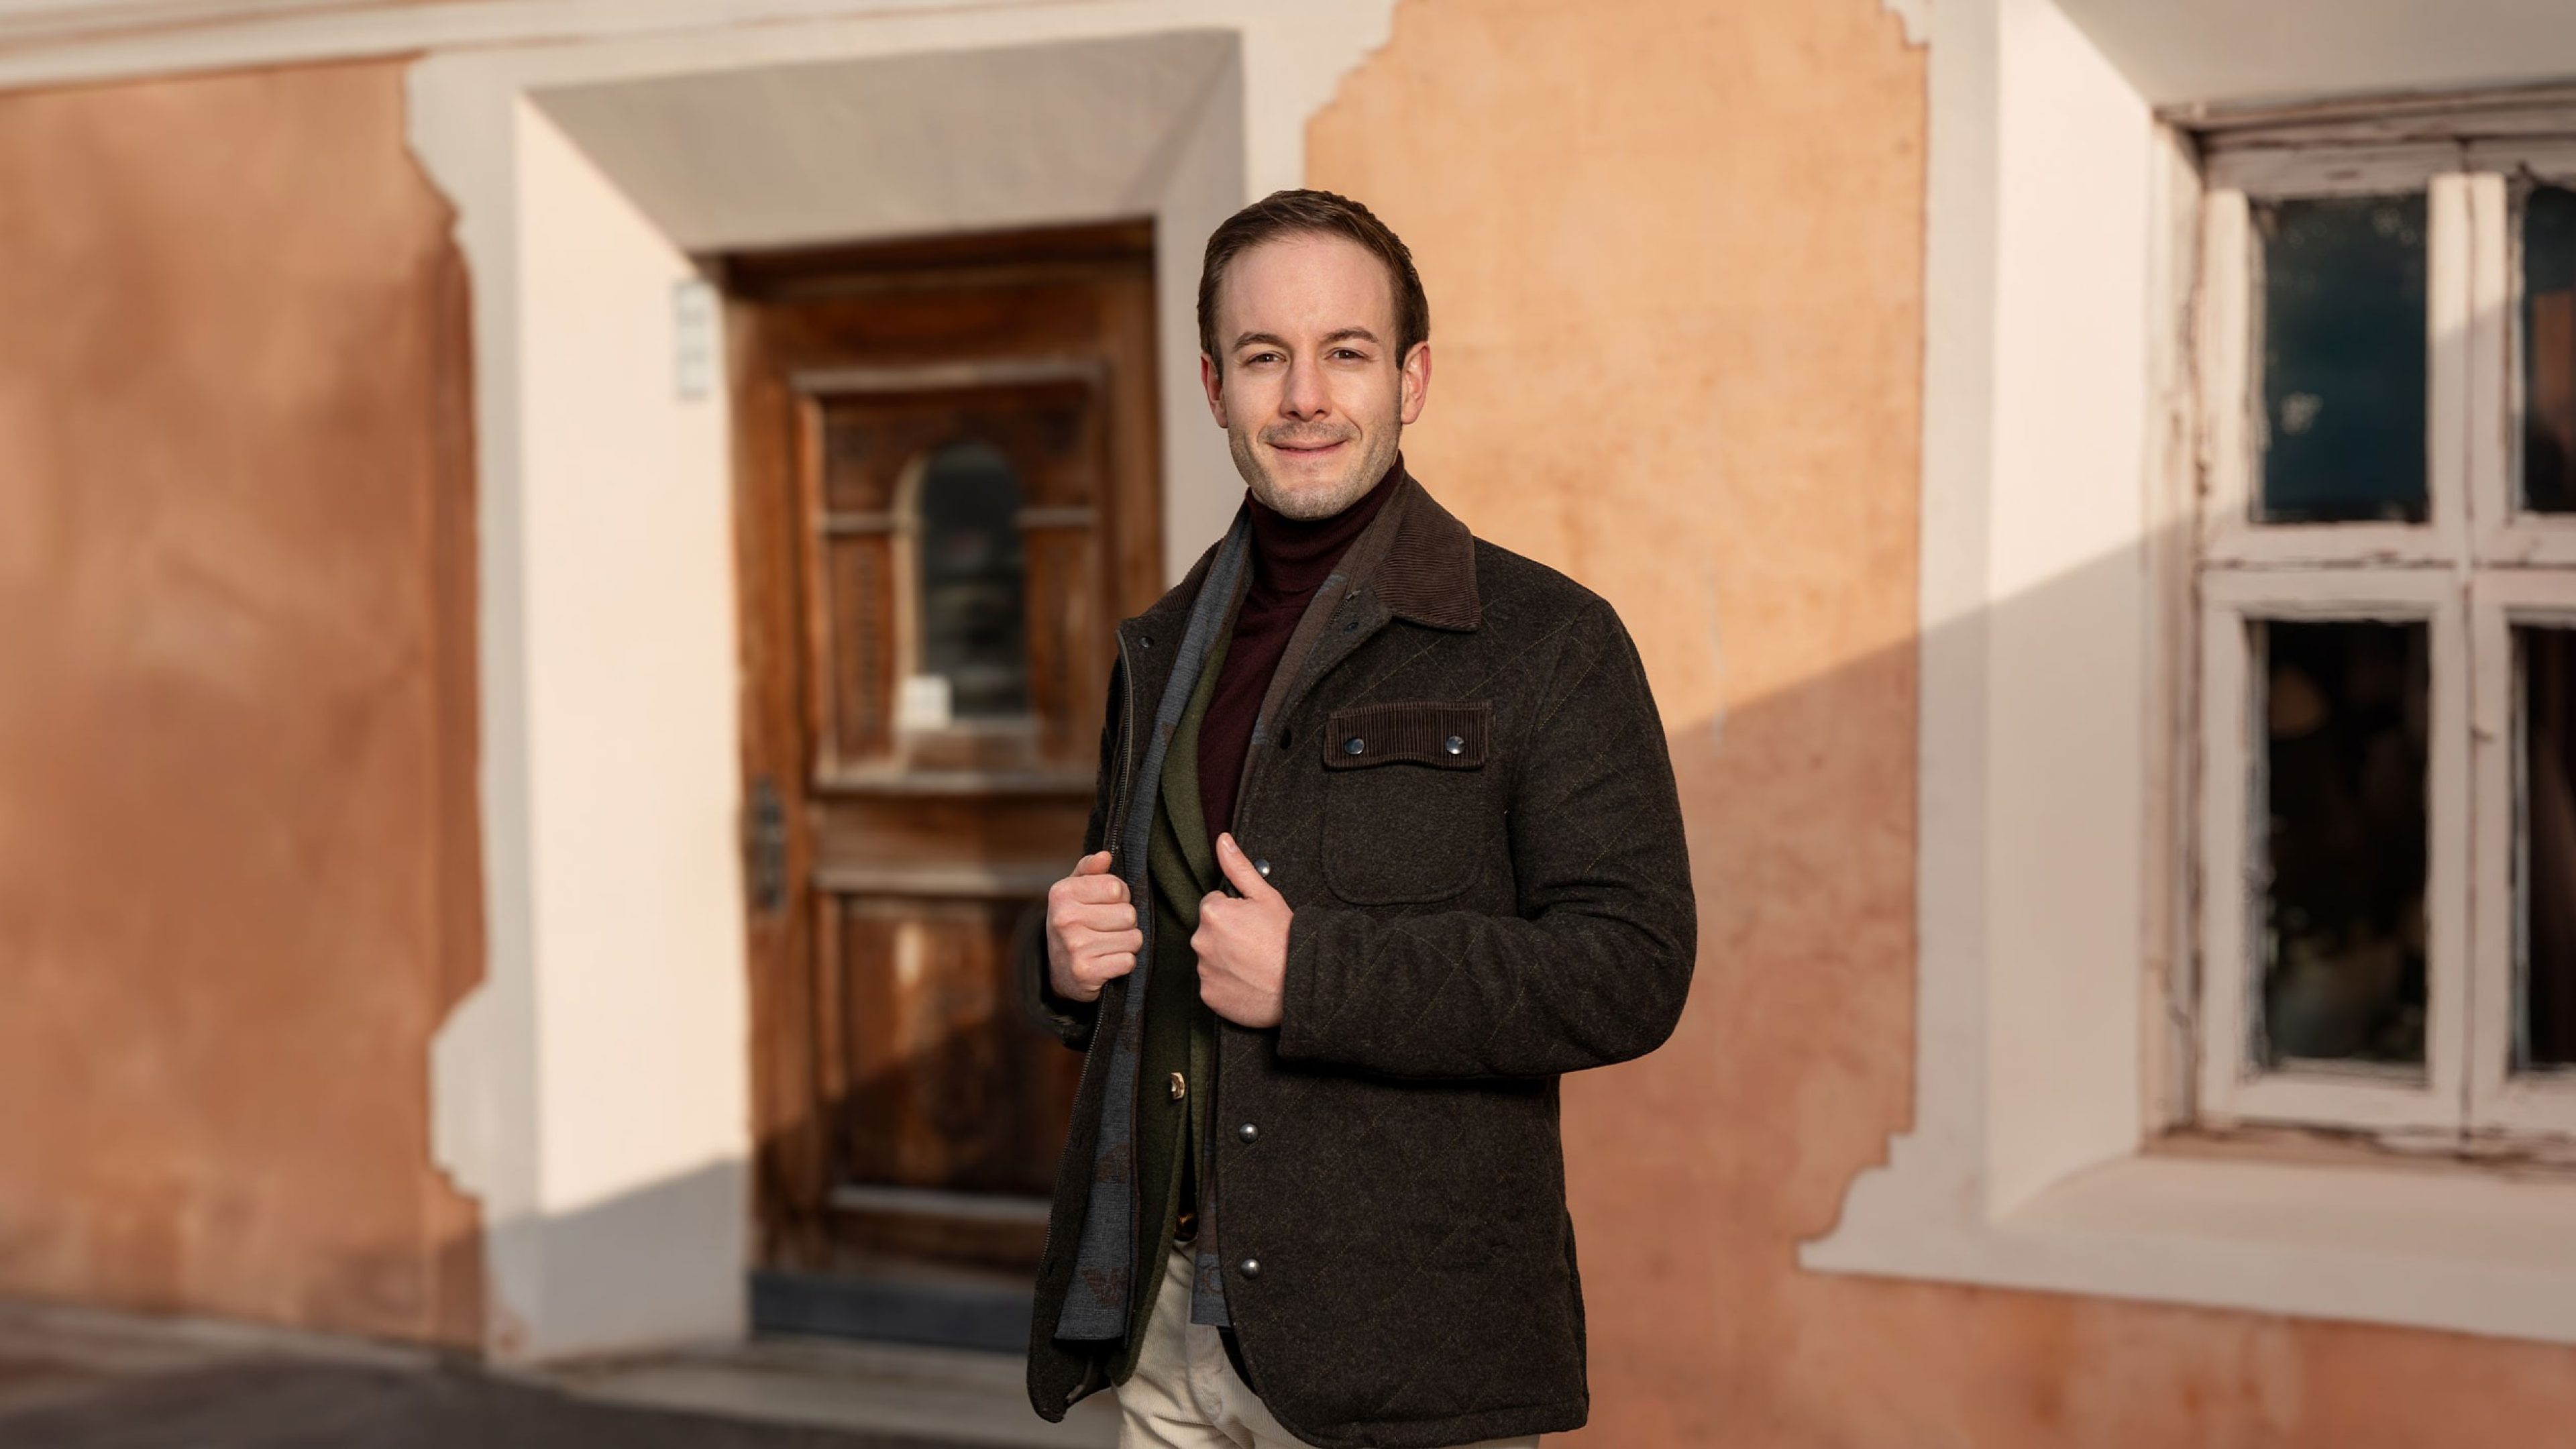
(237, 835)
(1674, 251)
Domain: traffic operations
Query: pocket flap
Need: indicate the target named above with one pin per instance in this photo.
(1448, 733)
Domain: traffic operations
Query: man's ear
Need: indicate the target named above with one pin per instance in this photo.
(1212, 377)
(1413, 382)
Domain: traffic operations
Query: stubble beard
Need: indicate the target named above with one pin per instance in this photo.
(1371, 465)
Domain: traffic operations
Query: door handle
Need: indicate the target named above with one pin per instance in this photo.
(764, 847)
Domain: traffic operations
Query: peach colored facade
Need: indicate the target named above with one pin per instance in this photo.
(1675, 251)
(237, 854)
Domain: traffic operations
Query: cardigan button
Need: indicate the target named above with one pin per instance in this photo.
(1453, 744)
(1262, 866)
(1249, 1267)
(1247, 1132)
(1354, 746)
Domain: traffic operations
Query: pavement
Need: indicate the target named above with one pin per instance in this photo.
(75, 1378)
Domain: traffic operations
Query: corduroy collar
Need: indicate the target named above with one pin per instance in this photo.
(1429, 572)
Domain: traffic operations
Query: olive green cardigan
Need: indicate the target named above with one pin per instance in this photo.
(1180, 1031)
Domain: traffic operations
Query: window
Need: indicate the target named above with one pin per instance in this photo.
(2111, 589)
(2385, 574)
(942, 502)
(972, 582)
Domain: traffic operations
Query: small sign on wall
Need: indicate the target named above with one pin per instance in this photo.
(693, 338)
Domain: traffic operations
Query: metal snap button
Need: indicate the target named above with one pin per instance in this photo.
(1180, 1086)
(1249, 1267)
(1453, 744)
(1354, 746)
(1262, 866)
(1247, 1132)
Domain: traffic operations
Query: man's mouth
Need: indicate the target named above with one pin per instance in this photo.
(1308, 450)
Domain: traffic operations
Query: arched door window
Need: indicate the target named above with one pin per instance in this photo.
(970, 577)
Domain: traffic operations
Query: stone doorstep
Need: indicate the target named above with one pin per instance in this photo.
(964, 1396)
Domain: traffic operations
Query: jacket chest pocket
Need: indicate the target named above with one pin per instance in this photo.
(1406, 794)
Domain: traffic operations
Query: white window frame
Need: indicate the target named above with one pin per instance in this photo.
(2313, 1094)
(2477, 565)
(2058, 669)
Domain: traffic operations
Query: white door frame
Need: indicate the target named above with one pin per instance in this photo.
(593, 1092)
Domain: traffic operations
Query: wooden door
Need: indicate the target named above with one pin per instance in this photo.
(948, 497)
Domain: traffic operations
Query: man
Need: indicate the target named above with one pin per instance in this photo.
(1385, 840)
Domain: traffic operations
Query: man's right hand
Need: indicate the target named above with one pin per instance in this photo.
(1091, 930)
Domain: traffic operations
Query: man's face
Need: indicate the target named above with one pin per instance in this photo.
(1311, 394)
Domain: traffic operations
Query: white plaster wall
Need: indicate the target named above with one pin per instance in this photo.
(2182, 51)
(832, 150)
(2033, 657)
(643, 1103)
(1207, 184)
(1942, 1155)
(2066, 589)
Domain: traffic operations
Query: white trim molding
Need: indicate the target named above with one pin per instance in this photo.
(64, 42)
(2058, 663)
(2231, 1090)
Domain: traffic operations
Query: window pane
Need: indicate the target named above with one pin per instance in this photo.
(2343, 940)
(2343, 358)
(2548, 846)
(974, 620)
(2549, 350)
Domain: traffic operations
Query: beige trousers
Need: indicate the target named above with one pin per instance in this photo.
(1185, 1393)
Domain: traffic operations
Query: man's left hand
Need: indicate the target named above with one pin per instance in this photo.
(1242, 943)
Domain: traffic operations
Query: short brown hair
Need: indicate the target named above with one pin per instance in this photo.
(1313, 213)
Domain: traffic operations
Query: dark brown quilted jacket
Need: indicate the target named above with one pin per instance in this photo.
(1461, 786)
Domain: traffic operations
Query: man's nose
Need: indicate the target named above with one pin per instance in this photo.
(1305, 396)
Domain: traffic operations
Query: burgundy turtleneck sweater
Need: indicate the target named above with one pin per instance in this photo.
(1291, 558)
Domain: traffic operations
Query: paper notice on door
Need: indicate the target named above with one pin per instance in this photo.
(924, 703)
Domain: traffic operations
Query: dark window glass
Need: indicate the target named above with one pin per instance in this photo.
(974, 583)
(2549, 350)
(2343, 770)
(2548, 874)
(2343, 359)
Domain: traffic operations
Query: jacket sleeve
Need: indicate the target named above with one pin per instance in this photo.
(1069, 1021)
(1595, 966)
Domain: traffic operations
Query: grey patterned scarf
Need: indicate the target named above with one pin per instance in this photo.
(1096, 1305)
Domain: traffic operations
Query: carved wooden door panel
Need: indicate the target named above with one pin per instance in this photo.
(948, 499)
